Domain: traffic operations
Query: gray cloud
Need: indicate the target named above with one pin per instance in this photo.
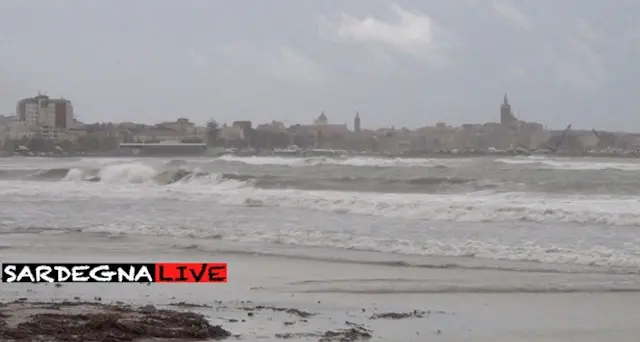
(511, 13)
(408, 62)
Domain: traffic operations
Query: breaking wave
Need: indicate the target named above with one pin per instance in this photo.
(174, 172)
(428, 181)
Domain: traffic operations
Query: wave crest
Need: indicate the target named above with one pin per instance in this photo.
(176, 172)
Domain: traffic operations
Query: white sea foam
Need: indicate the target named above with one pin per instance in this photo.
(539, 162)
(572, 164)
(127, 173)
(420, 244)
(352, 161)
(75, 174)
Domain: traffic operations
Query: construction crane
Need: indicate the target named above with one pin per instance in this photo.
(558, 143)
(597, 136)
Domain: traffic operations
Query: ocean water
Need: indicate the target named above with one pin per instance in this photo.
(522, 214)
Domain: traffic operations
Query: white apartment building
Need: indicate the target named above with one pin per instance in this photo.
(50, 118)
(19, 130)
(12, 128)
(44, 111)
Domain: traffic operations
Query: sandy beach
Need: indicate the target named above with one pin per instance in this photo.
(442, 304)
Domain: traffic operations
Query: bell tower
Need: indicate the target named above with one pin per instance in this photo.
(505, 112)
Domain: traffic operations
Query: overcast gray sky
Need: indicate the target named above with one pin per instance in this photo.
(406, 63)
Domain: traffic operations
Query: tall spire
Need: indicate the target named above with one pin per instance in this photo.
(506, 101)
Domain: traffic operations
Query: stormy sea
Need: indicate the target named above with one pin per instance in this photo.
(346, 227)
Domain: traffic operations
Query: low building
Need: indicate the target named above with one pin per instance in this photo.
(273, 127)
(232, 133)
(181, 125)
(20, 129)
(157, 135)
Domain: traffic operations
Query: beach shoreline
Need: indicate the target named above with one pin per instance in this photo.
(495, 249)
(277, 288)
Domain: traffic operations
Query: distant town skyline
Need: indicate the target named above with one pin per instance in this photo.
(53, 112)
(404, 63)
(45, 123)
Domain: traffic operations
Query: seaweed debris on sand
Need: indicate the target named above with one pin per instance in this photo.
(355, 332)
(399, 315)
(86, 321)
(290, 311)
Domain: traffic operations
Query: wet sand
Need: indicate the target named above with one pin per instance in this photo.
(276, 298)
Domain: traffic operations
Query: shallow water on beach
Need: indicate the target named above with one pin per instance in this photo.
(458, 304)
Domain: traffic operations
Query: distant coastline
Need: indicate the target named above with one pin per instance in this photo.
(308, 153)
